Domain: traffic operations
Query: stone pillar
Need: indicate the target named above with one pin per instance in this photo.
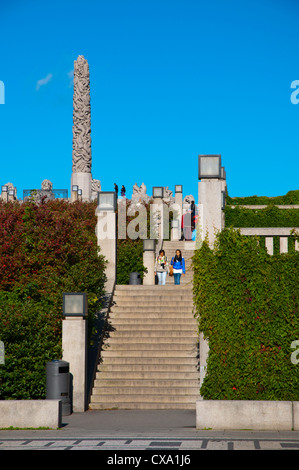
(74, 346)
(175, 230)
(4, 193)
(283, 242)
(178, 197)
(157, 215)
(149, 263)
(211, 221)
(106, 235)
(81, 157)
(269, 245)
(210, 198)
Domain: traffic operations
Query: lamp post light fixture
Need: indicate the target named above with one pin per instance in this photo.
(75, 304)
(75, 187)
(149, 244)
(79, 192)
(158, 192)
(107, 201)
(178, 188)
(209, 166)
(4, 189)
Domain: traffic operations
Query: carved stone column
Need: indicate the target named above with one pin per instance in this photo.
(81, 157)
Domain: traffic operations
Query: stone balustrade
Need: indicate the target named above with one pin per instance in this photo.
(269, 232)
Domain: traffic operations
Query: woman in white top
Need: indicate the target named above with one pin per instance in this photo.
(161, 268)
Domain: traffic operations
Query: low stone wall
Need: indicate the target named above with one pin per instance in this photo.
(247, 415)
(30, 413)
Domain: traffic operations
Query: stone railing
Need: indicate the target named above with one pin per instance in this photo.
(269, 232)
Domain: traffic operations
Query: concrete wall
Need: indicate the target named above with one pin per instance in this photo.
(30, 413)
(247, 415)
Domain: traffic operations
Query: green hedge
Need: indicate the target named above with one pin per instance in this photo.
(270, 216)
(45, 250)
(247, 305)
(292, 197)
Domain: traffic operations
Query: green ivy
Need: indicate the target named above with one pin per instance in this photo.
(270, 216)
(247, 305)
(45, 249)
(292, 197)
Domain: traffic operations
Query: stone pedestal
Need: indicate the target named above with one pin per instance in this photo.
(83, 180)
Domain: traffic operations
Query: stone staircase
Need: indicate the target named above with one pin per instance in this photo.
(150, 359)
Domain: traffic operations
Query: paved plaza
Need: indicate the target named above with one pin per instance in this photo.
(169, 432)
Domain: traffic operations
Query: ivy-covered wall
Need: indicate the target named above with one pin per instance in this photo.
(247, 305)
(45, 250)
(292, 197)
(270, 216)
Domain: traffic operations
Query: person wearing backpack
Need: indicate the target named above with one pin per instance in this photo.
(178, 264)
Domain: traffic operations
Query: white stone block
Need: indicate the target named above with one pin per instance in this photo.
(244, 414)
(30, 413)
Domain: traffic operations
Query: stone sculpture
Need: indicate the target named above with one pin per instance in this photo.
(95, 188)
(167, 194)
(139, 193)
(81, 117)
(47, 185)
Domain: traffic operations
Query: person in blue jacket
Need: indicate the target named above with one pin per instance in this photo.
(178, 264)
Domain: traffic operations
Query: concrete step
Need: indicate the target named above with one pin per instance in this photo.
(118, 405)
(154, 341)
(146, 361)
(148, 353)
(157, 334)
(131, 313)
(134, 312)
(137, 391)
(152, 302)
(158, 294)
(141, 368)
(152, 374)
(138, 324)
(143, 346)
(145, 398)
(142, 288)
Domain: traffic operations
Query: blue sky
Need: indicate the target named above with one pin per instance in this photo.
(170, 79)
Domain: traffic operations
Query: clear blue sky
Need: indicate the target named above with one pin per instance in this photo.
(170, 79)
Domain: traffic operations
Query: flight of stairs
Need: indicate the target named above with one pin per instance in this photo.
(150, 359)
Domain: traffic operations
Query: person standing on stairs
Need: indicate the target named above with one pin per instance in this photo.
(178, 263)
(161, 268)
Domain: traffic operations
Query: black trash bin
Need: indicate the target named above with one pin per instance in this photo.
(135, 279)
(58, 384)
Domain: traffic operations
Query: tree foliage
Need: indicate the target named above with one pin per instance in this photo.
(45, 249)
